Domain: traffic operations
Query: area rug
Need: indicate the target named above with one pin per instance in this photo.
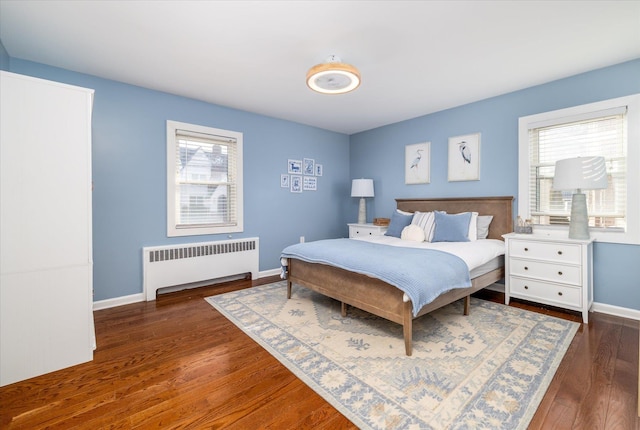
(487, 370)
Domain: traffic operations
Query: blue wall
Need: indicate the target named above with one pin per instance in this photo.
(379, 154)
(129, 201)
(129, 173)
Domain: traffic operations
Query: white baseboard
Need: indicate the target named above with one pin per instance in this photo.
(618, 311)
(596, 307)
(267, 273)
(118, 301)
(135, 298)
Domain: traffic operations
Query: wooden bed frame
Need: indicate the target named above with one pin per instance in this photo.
(386, 301)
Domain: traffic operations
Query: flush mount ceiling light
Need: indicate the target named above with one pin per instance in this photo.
(333, 77)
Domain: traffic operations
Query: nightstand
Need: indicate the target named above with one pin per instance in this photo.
(550, 270)
(358, 230)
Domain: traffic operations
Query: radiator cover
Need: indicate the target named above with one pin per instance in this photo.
(169, 266)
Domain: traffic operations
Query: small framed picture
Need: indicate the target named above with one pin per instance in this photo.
(318, 169)
(284, 181)
(464, 158)
(310, 183)
(296, 184)
(309, 165)
(294, 167)
(417, 160)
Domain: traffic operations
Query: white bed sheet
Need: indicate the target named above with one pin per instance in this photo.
(474, 253)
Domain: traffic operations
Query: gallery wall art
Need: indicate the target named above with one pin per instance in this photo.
(417, 159)
(464, 158)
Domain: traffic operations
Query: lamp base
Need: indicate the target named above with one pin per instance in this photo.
(579, 223)
(362, 212)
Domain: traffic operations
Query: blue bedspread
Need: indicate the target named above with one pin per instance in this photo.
(423, 274)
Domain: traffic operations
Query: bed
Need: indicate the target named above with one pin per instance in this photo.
(387, 301)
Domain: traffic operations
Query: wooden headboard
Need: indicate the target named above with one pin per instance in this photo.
(499, 207)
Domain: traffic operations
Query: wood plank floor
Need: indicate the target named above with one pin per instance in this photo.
(178, 363)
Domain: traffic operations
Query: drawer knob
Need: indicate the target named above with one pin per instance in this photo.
(560, 273)
(526, 249)
(526, 268)
(526, 287)
(559, 252)
(559, 293)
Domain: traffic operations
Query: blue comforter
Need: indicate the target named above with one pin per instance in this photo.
(423, 274)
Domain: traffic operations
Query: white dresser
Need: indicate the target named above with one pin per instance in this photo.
(550, 270)
(358, 230)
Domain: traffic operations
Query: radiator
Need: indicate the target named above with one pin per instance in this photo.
(168, 266)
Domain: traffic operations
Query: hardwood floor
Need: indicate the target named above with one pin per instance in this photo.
(178, 363)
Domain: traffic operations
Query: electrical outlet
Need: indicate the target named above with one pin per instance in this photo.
(301, 239)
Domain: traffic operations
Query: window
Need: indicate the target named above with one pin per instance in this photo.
(610, 129)
(204, 180)
(603, 135)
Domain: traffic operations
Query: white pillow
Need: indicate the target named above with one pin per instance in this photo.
(412, 232)
(483, 225)
(473, 227)
(427, 222)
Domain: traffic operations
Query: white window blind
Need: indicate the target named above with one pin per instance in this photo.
(205, 178)
(204, 183)
(601, 133)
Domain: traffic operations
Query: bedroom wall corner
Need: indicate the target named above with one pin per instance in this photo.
(4, 58)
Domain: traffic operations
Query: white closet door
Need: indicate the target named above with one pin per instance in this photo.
(45, 223)
(46, 176)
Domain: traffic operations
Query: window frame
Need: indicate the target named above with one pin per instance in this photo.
(172, 229)
(631, 235)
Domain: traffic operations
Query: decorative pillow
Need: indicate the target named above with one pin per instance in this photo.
(397, 223)
(473, 225)
(451, 228)
(483, 225)
(412, 232)
(403, 212)
(426, 221)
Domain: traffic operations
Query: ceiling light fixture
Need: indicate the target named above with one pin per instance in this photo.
(333, 77)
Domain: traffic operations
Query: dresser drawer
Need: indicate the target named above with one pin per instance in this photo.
(546, 271)
(360, 230)
(539, 291)
(558, 252)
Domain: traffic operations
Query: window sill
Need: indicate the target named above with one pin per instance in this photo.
(609, 236)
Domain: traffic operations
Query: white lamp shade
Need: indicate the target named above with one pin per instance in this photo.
(362, 188)
(584, 173)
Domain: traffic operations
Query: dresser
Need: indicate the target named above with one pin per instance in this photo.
(359, 230)
(550, 270)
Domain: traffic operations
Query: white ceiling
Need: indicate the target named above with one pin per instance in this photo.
(415, 57)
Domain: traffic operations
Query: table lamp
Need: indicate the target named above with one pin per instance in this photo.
(362, 188)
(580, 173)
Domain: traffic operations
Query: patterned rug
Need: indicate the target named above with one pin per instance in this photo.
(488, 370)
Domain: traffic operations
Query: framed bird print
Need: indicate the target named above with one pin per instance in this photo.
(464, 158)
(417, 160)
